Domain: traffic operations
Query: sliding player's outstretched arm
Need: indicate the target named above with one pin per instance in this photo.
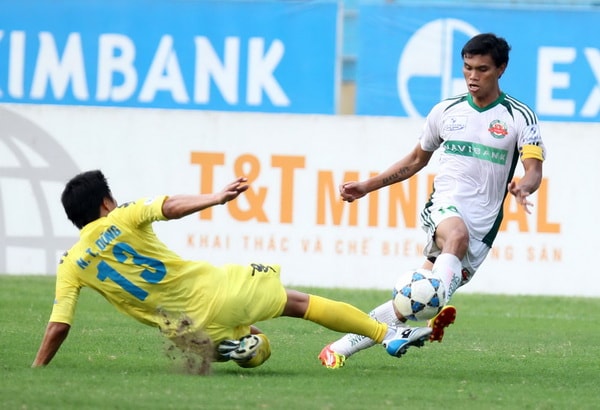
(55, 335)
(178, 206)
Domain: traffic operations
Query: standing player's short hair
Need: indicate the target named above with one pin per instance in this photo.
(488, 43)
(83, 195)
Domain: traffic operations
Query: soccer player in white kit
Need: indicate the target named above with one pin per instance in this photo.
(482, 135)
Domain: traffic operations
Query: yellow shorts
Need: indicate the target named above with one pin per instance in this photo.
(254, 293)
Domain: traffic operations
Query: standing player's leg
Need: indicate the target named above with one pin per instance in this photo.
(335, 354)
(345, 318)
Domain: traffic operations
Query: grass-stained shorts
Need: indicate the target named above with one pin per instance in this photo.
(254, 293)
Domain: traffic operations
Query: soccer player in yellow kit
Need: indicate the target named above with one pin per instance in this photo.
(119, 255)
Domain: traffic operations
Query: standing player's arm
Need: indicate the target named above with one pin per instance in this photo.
(55, 335)
(401, 170)
(178, 206)
(528, 184)
(405, 168)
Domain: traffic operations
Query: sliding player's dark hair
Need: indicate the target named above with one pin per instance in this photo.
(83, 196)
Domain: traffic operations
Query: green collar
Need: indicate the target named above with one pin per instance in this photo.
(494, 103)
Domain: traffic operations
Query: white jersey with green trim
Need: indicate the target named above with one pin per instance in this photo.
(479, 152)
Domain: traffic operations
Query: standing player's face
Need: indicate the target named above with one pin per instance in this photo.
(481, 76)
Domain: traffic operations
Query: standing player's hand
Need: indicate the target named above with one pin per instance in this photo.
(351, 191)
(520, 195)
(234, 189)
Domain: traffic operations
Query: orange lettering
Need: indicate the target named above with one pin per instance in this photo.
(542, 216)
(249, 166)
(207, 162)
(326, 188)
(288, 165)
(373, 206)
(557, 255)
(407, 203)
(338, 247)
(430, 178)
(517, 214)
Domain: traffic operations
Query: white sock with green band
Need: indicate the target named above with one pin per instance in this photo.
(352, 343)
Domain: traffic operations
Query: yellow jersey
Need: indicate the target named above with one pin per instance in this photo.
(121, 257)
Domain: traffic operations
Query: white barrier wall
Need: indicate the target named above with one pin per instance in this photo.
(292, 214)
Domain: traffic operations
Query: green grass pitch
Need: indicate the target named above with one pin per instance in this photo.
(503, 352)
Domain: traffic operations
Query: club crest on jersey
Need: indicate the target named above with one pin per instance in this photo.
(498, 129)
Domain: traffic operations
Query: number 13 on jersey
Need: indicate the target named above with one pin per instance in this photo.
(153, 270)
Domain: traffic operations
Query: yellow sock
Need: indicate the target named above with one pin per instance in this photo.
(344, 318)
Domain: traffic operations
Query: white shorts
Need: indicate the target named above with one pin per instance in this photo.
(431, 217)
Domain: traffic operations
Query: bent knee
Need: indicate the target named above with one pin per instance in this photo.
(296, 305)
(453, 236)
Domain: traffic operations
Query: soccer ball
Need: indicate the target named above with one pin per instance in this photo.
(419, 295)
